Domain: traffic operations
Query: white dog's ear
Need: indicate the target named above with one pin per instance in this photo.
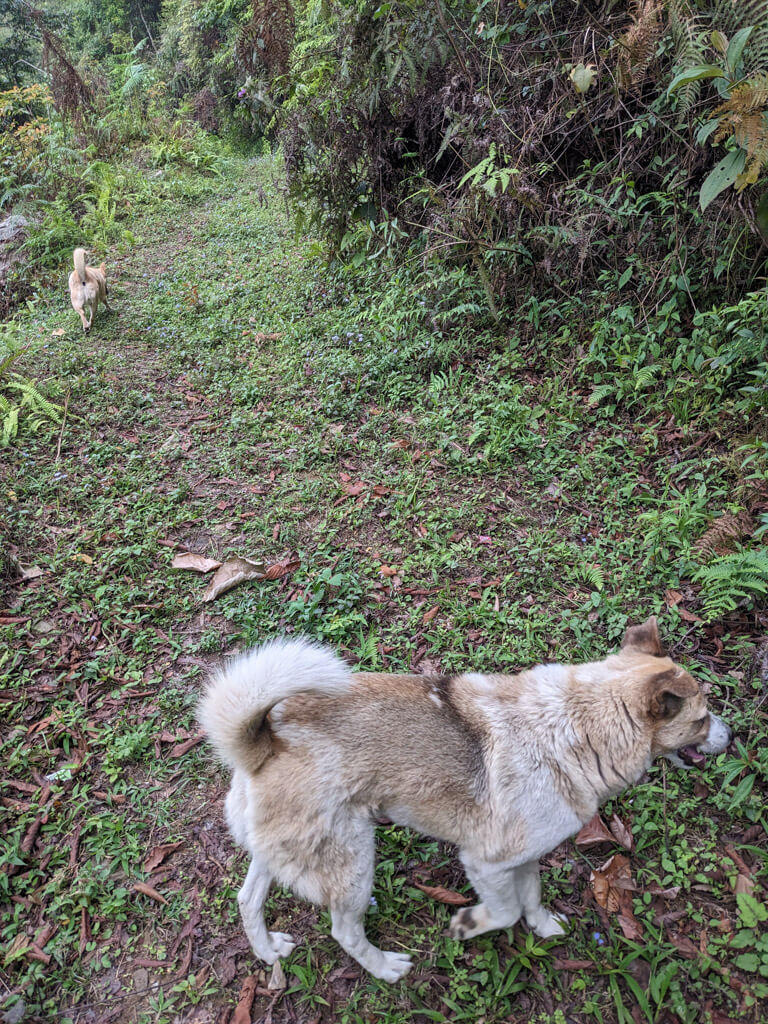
(644, 638)
(667, 691)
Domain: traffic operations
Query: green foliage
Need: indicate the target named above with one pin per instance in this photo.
(743, 116)
(480, 475)
(732, 580)
(22, 404)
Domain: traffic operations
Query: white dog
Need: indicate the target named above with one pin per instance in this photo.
(87, 286)
(505, 767)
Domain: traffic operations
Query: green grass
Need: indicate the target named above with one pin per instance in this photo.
(238, 394)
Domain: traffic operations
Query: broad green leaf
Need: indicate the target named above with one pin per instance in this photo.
(751, 910)
(721, 176)
(733, 56)
(706, 129)
(747, 962)
(743, 939)
(719, 41)
(696, 74)
(743, 790)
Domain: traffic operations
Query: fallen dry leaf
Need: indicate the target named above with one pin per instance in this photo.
(612, 886)
(428, 616)
(572, 965)
(442, 895)
(350, 490)
(630, 926)
(744, 884)
(30, 573)
(147, 890)
(684, 945)
(181, 748)
(388, 570)
(233, 572)
(242, 1014)
(277, 570)
(594, 832)
(195, 563)
(159, 854)
(744, 881)
(58, 332)
(687, 616)
(609, 881)
(621, 833)
(277, 981)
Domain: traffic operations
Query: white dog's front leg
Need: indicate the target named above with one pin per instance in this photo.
(501, 907)
(508, 892)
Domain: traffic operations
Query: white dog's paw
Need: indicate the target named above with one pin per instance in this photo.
(551, 926)
(279, 945)
(393, 966)
(282, 944)
(469, 921)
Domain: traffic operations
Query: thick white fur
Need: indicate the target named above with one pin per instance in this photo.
(251, 685)
(505, 767)
(87, 287)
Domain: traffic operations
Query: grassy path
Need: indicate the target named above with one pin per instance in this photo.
(447, 509)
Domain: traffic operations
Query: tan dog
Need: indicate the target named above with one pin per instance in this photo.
(87, 286)
(505, 767)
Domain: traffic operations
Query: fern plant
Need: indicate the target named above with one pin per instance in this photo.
(734, 35)
(731, 581)
(18, 395)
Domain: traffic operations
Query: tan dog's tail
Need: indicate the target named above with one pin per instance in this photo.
(235, 705)
(79, 257)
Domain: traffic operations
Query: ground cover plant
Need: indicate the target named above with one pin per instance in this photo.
(426, 488)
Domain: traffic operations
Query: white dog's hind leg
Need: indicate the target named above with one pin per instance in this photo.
(268, 946)
(546, 925)
(349, 931)
(501, 906)
(351, 887)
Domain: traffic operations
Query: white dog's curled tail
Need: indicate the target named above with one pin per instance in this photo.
(79, 258)
(234, 707)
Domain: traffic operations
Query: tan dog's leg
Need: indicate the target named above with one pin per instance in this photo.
(268, 946)
(104, 299)
(86, 323)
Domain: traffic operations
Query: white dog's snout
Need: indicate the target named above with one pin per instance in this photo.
(718, 737)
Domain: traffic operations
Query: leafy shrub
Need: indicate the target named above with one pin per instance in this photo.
(466, 125)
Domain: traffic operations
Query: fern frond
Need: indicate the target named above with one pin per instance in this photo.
(732, 580)
(724, 532)
(689, 41)
(638, 44)
(32, 398)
